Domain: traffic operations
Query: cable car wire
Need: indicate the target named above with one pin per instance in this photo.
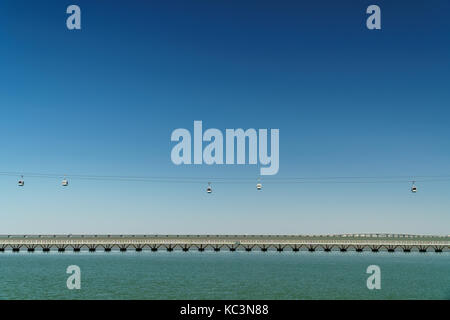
(234, 180)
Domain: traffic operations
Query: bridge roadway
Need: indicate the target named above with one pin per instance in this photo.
(343, 243)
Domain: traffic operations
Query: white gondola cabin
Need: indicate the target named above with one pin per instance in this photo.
(413, 188)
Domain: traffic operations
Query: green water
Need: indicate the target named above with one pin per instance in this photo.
(224, 275)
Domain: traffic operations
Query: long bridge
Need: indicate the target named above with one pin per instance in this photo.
(327, 243)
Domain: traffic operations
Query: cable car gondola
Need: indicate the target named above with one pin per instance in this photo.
(65, 182)
(259, 185)
(413, 188)
(209, 189)
(21, 182)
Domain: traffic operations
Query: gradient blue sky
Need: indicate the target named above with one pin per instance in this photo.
(104, 101)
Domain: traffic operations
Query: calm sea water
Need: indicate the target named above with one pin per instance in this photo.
(224, 275)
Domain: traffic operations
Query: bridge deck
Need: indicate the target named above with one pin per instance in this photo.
(358, 242)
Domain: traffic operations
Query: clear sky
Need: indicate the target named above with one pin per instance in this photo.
(104, 100)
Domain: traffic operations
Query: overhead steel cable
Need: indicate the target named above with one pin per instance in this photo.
(266, 179)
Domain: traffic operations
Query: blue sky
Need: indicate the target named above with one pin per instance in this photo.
(104, 100)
